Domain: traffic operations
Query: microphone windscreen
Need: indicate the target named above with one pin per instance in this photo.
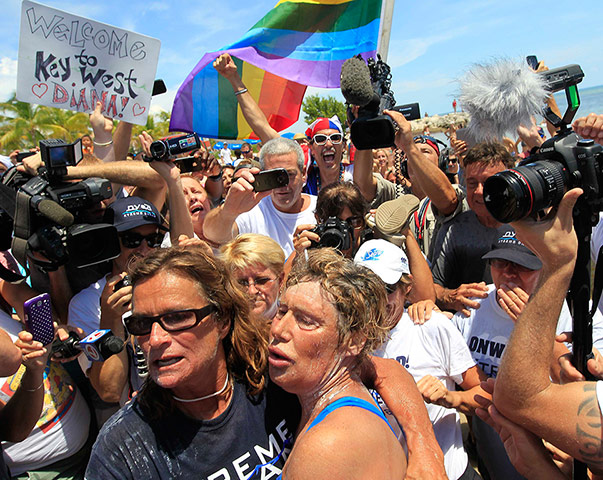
(500, 97)
(53, 211)
(356, 86)
(111, 345)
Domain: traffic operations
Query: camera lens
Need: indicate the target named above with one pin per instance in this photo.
(158, 149)
(517, 193)
(333, 238)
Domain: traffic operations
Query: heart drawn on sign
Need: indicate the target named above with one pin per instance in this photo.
(39, 89)
(138, 109)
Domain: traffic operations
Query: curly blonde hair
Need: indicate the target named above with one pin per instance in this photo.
(356, 292)
(245, 345)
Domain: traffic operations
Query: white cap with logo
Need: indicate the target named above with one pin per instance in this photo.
(385, 259)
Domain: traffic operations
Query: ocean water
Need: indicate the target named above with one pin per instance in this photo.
(591, 100)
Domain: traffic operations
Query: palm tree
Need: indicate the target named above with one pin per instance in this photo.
(23, 125)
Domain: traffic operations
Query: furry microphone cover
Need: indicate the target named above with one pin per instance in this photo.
(500, 96)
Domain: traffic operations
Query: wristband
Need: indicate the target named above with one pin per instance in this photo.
(240, 92)
(215, 178)
(104, 144)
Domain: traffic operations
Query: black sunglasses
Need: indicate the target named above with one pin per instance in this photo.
(170, 321)
(391, 288)
(133, 239)
(245, 152)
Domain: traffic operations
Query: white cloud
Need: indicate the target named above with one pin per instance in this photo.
(8, 77)
(164, 101)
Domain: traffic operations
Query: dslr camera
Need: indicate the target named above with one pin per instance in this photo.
(41, 216)
(163, 150)
(562, 163)
(334, 233)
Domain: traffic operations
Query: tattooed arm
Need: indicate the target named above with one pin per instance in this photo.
(567, 416)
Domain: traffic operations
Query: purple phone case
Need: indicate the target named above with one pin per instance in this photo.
(38, 318)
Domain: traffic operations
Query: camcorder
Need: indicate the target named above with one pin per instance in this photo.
(369, 87)
(334, 233)
(164, 150)
(563, 162)
(42, 213)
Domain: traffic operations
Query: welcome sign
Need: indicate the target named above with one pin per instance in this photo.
(71, 62)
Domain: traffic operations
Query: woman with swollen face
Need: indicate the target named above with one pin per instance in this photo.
(331, 316)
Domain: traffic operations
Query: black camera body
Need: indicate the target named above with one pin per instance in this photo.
(563, 162)
(46, 209)
(334, 233)
(163, 150)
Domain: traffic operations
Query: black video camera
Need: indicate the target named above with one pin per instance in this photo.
(163, 150)
(42, 212)
(373, 129)
(562, 163)
(334, 233)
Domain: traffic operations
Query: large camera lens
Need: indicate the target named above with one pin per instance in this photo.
(519, 192)
(335, 238)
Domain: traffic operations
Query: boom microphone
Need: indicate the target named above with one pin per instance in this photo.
(356, 85)
(500, 97)
(52, 211)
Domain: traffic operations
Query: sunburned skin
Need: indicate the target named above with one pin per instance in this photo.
(305, 355)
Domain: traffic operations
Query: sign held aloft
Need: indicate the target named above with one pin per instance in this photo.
(71, 62)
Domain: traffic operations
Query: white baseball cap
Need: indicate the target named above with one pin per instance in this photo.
(385, 259)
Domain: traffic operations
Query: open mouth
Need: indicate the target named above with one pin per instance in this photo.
(197, 209)
(166, 362)
(276, 358)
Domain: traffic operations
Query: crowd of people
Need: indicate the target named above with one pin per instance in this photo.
(340, 325)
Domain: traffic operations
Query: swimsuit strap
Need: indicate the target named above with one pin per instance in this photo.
(349, 402)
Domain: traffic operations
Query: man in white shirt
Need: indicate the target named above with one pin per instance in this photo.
(274, 213)
(225, 155)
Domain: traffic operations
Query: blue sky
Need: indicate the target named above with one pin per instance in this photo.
(432, 43)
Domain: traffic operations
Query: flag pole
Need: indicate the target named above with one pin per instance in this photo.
(387, 13)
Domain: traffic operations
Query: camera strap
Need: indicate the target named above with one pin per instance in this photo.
(598, 283)
(21, 229)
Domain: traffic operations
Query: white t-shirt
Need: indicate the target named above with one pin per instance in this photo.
(265, 219)
(64, 422)
(435, 348)
(225, 156)
(487, 331)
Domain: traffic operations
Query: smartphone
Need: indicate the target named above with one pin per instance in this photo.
(38, 318)
(532, 61)
(269, 179)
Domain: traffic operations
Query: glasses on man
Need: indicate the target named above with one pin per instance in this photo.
(321, 138)
(245, 152)
(258, 282)
(133, 239)
(502, 264)
(171, 321)
(391, 287)
(356, 221)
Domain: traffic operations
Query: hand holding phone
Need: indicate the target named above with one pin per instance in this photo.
(38, 318)
(269, 179)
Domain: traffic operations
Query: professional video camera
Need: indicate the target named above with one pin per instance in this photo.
(45, 211)
(333, 233)
(367, 85)
(164, 150)
(562, 163)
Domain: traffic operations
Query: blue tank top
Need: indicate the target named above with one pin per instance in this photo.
(346, 402)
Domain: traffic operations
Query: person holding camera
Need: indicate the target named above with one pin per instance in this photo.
(441, 200)
(275, 212)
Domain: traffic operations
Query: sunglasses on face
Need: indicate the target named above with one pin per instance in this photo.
(321, 138)
(356, 221)
(502, 264)
(245, 152)
(170, 322)
(258, 282)
(133, 239)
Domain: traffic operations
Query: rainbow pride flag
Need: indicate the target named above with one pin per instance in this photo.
(298, 43)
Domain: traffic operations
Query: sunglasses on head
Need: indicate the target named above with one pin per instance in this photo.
(321, 138)
(133, 239)
(171, 322)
